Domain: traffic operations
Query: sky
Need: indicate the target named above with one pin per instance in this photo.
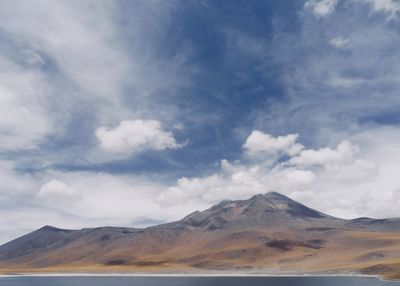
(134, 113)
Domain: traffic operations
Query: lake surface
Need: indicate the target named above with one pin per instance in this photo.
(192, 281)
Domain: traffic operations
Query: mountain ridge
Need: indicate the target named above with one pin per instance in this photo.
(266, 231)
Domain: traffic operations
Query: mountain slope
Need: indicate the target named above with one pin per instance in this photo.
(264, 232)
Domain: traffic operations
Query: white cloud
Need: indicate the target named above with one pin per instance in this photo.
(36, 95)
(391, 7)
(24, 117)
(57, 192)
(191, 190)
(105, 199)
(63, 56)
(134, 136)
(326, 156)
(331, 95)
(301, 176)
(80, 199)
(86, 54)
(259, 142)
(12, 182)
(357, 176)
(239, 181)
(339, 42)
(63, 62)
(321, 8)
(357, 179)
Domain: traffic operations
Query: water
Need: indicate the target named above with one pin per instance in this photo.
(193, 281)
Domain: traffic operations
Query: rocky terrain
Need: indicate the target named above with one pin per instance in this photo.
(265, 234)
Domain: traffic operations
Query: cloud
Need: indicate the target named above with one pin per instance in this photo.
(259, 142)
(106, 199)
(391, 7)
(59, 192)
(66, 35)
(54, 52)
(135, 135)
(80, 199)
(321, 8)
(359, 177)
(67, 68)
(58, 67)
(190, 190)
(301, 176)
(14, 184)
(331, 92)
(339, 42)
(24, 117)
(239, 181)
(360, 180)
(326, 156)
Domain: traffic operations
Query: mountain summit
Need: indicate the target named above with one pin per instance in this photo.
(262, 210)
(269, 231)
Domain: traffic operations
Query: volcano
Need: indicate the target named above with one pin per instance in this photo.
(268, 233)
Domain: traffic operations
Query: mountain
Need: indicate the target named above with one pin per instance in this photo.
(266, 233)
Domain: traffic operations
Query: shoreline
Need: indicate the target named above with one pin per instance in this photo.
(113, 274)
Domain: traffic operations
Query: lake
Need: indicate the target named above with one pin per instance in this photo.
(191, 281)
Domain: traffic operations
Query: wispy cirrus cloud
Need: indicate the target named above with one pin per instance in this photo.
(67, 68)
(76, 56)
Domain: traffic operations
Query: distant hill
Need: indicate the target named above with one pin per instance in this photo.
(266, 233)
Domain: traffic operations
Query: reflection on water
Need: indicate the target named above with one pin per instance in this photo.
(192, 281)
